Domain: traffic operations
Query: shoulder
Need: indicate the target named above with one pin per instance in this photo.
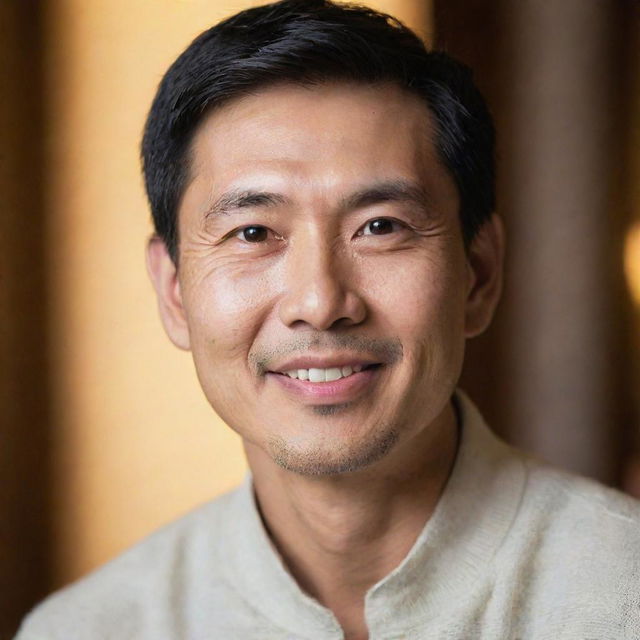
(591, 530)
(574, 552)
(144, 583)
(566, 502)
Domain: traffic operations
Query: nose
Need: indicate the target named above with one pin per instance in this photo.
(321, 289)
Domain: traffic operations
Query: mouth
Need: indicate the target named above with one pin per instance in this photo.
(335, 384)
(328, 374)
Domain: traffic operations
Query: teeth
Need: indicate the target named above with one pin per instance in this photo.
(324, 375)
(317, 375)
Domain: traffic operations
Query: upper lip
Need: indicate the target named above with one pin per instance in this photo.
(320, 362)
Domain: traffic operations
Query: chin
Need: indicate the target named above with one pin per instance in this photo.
(331, 458)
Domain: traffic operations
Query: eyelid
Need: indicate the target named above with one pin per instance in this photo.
(360, 232)
(238, 230)
(395, 221)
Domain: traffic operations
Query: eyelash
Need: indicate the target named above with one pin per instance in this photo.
(238, 232)
(393, 221)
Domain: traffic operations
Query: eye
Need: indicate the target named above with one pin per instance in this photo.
(379, 227)
(254, 233)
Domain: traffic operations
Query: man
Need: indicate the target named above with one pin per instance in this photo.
(322, 191)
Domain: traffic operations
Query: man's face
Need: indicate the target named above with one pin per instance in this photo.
(323, 286)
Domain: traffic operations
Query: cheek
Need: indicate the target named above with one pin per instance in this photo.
(417, 297)
(423, 303)
(224, 313)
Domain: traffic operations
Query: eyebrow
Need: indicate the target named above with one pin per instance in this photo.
(387, 191)
(239, 199)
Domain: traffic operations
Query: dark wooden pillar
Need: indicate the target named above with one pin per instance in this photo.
(24, 393)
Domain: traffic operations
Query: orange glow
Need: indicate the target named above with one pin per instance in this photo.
(632, 262)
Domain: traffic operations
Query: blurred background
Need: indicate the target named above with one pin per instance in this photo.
(104, 433)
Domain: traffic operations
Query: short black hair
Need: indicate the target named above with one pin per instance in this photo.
(307, 42)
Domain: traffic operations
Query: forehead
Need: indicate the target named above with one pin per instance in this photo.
(318, 141)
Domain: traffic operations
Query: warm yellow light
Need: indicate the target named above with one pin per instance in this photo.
(632, 261)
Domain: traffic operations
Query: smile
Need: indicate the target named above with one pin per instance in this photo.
(327, 385)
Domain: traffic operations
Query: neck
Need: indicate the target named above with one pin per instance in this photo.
(340, 535)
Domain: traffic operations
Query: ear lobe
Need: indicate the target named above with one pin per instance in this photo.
(164, 276)
(485, 263)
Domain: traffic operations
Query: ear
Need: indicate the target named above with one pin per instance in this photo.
(484, 262)
(164, 275)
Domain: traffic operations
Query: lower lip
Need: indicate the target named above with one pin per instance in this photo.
(342, 390)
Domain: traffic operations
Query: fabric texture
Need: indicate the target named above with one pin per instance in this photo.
(514, 550)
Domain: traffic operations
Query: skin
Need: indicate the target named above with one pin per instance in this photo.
(355, 255)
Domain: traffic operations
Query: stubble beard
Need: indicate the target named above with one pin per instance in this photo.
(326, 460)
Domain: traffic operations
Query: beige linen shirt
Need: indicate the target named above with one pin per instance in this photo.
(514, 550)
